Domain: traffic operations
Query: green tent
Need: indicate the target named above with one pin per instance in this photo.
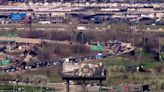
(97, 48)
(5, 62)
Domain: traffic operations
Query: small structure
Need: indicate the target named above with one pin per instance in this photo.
(84, 72)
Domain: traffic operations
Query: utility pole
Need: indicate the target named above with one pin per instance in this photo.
(67, 86)
(73, 33)
(159, 49)
(29, 22)
(82, 37)
(16, 85)
(84, 86)
(100, 89)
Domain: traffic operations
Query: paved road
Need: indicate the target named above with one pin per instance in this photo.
(64, 27)
(32, 40)
(44, 64)
(58, 62)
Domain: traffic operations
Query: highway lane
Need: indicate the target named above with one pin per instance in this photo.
(53, 63)
(64, 27)
(60, 62)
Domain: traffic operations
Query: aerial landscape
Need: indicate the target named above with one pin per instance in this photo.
(81, 45)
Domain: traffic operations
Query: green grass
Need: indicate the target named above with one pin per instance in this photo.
(4, 87)
(117, 77)
(31, 89)
(148, 63)
(26, 88)
(125, 62)
(118, 61)
(144, 58)
(55, 79)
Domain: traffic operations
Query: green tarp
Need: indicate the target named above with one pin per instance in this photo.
(5, 62)
(97, 48)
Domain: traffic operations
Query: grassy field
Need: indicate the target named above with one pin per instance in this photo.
(141, 58)
(14, 87)
(117, 74)
(125, 62)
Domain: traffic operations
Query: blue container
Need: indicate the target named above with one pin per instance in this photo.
(17, 16)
